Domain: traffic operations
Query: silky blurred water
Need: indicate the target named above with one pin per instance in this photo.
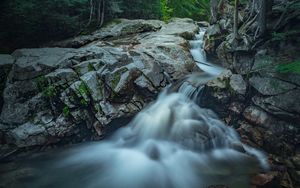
(173, 143)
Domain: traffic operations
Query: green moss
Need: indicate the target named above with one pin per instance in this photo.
(66, 111)
(90, 67)
(83, 89)
(293, 67)
(83, 102)
(50, 91)
(117, 76)
(46, 89)
(41, 83)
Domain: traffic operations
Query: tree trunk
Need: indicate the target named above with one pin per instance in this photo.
(236, 19)
(91, 12)
(103, 13)
(262, 21)
(214, 11)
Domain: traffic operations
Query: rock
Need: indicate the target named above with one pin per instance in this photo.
(89, 65)
(92, 85)
(183, 27)
(16, 111)
(203, 24)
(252, 133)
(286, 105)
(262, 179)
(238, 84)
(213, 30)
(61, 77)
(270, 86)
(170, 52)
(29, 135)
(32, 63)
(256, 116)
(225, 24)
(296, 161)
(76, 94)
(222, 81)
(117, 28)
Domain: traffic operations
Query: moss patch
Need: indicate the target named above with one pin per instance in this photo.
(66, 111)
(83, 89)
(117, 76)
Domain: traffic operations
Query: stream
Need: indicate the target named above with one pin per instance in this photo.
(172, 143)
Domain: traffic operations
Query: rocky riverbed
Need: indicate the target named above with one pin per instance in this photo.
(65, 95)
(84, 88)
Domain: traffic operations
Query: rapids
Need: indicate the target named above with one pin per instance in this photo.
(173, 143)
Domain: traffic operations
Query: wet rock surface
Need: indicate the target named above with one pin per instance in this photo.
(66, 95)
(267, 114)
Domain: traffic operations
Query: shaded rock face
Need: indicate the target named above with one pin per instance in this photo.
(68, 95)
(258, 99)
(6, 62)
(266, 116)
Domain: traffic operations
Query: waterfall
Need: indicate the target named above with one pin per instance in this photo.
(198, 53)
(173, 143)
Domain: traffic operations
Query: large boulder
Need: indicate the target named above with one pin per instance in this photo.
(117, 28)
(65, 95)
(270, 86)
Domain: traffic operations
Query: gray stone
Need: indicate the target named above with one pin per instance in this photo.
(286, 105)
(221, 82)
(86, 66)
(183, 27)
(31, 63)
(94, 85)
(256, 116)
(29, 134)
(61, 77)
(238, 84)
(120, 27)
(213, 30)
(6, 59)
(99, 82)
(270, 86)
(15, 112)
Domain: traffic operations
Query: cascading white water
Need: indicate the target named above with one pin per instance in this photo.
(198, 53)
(173, 143)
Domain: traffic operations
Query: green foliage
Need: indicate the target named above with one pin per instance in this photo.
(166, 10)
(66, 111)
(283, 36)
(32, 22)
(293, 67)
(140, 9)
(195, 9)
